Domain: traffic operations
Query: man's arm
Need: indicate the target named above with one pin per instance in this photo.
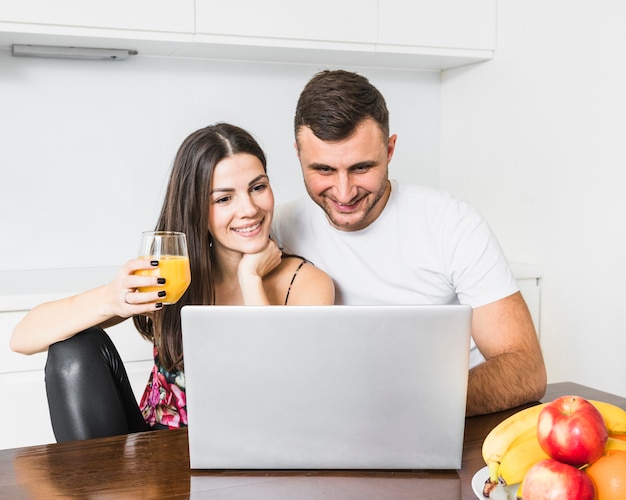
(514, 372)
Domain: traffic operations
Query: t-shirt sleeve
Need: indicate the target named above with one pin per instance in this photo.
(479, 269)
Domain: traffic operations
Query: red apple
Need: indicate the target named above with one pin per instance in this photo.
(571, 430)
(550, 479)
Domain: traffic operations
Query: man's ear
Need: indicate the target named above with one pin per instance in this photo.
(391, 146)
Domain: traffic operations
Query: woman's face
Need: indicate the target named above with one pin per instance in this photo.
(241, 205)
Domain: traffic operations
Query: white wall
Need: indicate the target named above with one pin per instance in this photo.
(535, 139)
(86, 146)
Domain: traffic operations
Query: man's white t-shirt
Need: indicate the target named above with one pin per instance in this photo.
(424, 248)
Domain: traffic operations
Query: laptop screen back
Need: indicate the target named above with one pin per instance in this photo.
(326, 387)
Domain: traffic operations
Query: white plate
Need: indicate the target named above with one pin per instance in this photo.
(499, 493)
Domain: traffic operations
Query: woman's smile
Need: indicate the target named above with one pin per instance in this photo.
(249, 230)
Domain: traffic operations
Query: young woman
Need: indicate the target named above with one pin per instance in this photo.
(219, 195)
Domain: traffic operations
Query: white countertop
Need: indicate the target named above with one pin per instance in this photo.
(22, 290)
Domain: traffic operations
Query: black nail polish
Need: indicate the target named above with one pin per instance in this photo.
(162, 293)
(161, 281)
(154, 263)
(158, 305)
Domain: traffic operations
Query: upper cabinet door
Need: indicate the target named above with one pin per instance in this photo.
(449, 24)
(425, 34)
(174, 16)
(346, 21)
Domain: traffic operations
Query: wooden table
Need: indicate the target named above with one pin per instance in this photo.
(156, 465)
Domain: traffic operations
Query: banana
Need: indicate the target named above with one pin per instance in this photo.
(524, 436)
(502, 436)
(614, 416)
(614, 444)
(521, 456)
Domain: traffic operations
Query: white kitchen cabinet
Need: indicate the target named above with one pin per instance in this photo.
(375, 33)
(425, 34)
(140, 15)
(441, 24)
(351, 21)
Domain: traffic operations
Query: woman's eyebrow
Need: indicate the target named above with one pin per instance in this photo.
(222, 190)
(230, 190)
(257, 179)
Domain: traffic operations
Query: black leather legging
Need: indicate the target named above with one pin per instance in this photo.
(89, 394)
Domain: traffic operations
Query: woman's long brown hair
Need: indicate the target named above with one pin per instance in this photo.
(186, 209)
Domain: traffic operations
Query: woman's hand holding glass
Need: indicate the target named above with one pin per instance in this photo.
(160, 276)
(169, 250)
(123, 296)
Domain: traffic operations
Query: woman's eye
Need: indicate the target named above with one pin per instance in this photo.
(224, 199)
(259, 187)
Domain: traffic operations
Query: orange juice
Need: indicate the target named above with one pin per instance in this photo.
(175, 270)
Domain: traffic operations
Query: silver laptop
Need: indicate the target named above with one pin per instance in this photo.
(326, 387)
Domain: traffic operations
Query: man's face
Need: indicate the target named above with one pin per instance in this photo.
(347, 178)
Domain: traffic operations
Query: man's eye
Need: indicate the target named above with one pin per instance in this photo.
(324, 170)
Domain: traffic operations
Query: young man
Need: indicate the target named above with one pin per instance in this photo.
(387, 243)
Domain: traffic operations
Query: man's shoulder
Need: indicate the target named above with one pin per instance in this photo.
(433, 207)
(420, 191)
(425, 197)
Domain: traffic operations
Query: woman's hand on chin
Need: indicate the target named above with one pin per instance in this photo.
(261, 263)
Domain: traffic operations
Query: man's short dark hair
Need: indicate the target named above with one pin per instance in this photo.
(334, 103)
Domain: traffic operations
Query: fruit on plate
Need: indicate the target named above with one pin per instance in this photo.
(500, 439)
(550, 479)
(509, 450)
(572, 430)
(512, 447)
(608, 474)
(525, 451)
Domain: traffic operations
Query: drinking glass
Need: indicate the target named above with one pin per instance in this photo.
(170, 249)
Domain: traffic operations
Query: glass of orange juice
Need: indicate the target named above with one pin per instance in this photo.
(170, 249)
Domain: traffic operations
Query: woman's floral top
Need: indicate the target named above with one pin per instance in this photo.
(164, 404)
